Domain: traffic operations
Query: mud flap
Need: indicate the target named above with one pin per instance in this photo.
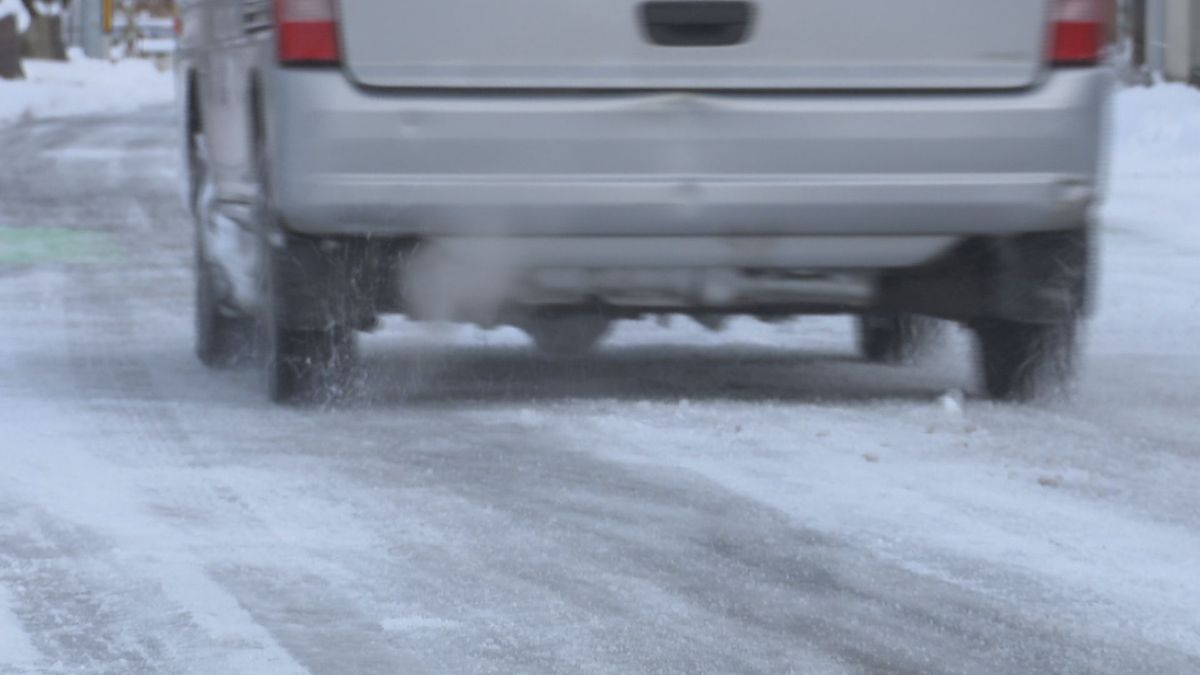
(1041, 277)
(323, 282)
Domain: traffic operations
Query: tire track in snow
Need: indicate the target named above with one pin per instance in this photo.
(542, 556)
(17, 653)
(118, 392)
(103, 584)
(135, 598)
(190, 496)
(65, 595)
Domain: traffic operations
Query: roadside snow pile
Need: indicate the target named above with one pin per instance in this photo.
(1156, 130)
(1148, 303)
(83, 86)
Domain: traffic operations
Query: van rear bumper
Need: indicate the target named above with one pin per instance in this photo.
(394, 163)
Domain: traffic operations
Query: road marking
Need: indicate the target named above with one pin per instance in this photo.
(30, 245)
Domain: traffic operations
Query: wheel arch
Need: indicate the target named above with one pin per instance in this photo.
(193, 124)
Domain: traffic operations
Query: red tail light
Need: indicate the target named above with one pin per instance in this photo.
(307, 32)
(1080, 31)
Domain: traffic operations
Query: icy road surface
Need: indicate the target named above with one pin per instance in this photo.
(756, 501)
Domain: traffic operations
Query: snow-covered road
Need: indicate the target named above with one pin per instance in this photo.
(754, 501)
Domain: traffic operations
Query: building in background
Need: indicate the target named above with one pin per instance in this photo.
(1181, 40)
(1164, 37)
(85, 27)
(97, 26)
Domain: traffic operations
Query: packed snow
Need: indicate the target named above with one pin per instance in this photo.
(751, 500)
(83, 86)
(1156, 132)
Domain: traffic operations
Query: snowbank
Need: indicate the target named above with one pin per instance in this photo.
(1156, 131)
(83, 86)
(17, 9)
(1148, 303)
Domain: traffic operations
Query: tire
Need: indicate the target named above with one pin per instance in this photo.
(222, 337)
(895, 338)
(1027, 343)
(300, 364)
(572, 335)
(1021, 361)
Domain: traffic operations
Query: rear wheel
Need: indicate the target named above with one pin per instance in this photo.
(571, 335)
(1021, 361)
(894, 338)
(308, 366)
(1040, 292)
(302, 363)
(306, 360)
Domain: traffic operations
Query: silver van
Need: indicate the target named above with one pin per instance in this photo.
(558, 164)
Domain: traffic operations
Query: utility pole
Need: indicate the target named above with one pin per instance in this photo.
(1156, 35)
(88, 21)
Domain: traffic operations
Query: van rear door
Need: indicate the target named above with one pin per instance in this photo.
(682, 44)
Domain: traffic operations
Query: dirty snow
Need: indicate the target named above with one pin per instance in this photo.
(83, 86)
(754, 500)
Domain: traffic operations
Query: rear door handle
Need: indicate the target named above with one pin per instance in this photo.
(696, 23)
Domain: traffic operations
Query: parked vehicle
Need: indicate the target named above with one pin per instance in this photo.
(146, 37)
(556, 165)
